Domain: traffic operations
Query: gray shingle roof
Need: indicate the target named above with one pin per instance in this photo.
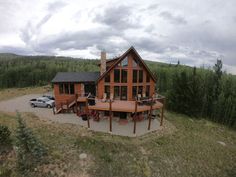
(76, 77)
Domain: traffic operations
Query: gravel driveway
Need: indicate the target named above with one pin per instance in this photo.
(21, 104)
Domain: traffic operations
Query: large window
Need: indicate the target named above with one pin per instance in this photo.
(107, 90)
(117, 92)
(72, 89)
(66, 88)
(117, 75)
(135, 76)
(124, 62)
(148, 90)
(61, 88)
(124, 76)
(140, 90)
(123, 92)
(134, 92)
(140, 77)
(147, 77)
(107, 78)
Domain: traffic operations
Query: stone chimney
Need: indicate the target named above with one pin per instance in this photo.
(103, 62)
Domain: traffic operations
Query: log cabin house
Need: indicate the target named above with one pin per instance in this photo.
(124, 88)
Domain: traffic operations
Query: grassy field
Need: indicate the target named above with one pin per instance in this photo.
(185, 147)
(14, 92)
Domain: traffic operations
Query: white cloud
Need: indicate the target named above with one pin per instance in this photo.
(194, 32)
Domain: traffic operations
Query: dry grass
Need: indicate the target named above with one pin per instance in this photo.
(14, 92)
(185, 147)
(188, 149)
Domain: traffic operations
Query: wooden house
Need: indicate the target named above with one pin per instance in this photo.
(124, 85)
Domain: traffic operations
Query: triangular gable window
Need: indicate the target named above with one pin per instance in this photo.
(135, 64)
(124, 62)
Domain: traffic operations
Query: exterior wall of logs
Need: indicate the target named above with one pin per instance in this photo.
(138, 80)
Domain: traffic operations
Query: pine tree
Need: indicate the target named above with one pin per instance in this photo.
(30, 150)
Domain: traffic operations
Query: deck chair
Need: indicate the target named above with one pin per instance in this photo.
(104, 97)
(111, 97)
(139, 99)
(144, 95)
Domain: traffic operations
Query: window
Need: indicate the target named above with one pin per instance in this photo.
(140, 79)
(135, 63)
(106, 113)
(61, 89)
(140, 90)
(66, 87)
(124, 62)
(72, 89)
(147, 77)
(124, 76)
(135, 76)
(134, 92)
(123, 92)
(116, 114)
(116, 75)
(148, 90)
(107, 78)
(107, 90)
(116, 92)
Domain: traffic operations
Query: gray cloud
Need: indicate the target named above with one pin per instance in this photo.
(177, 20)
(117, 17)
(56, 6)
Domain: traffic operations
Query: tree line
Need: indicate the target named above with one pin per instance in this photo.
(197, 92)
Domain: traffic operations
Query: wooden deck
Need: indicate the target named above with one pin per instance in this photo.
(123, 106)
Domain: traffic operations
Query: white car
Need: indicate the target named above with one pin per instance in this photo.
(42, 102)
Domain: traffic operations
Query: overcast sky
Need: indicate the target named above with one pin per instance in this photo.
(196, 32)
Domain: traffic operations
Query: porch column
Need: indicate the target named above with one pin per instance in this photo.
(110, 115)
(150, 116)
(87, 112)
(135, 116)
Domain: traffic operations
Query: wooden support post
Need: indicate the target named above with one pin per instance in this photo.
(87, 111)
(135, 116)
(76, 103)
(110, 114)
(150, 116)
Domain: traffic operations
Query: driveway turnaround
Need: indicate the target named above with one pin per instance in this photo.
(21, 104)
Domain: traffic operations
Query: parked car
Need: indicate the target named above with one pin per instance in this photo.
(49, 97)
(42, 102)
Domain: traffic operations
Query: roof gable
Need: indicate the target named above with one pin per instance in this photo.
(138, 57)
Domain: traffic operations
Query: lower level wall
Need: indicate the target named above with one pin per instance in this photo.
(62, 98)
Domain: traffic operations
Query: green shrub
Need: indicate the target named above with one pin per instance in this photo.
(30, 151)
(4, 135)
